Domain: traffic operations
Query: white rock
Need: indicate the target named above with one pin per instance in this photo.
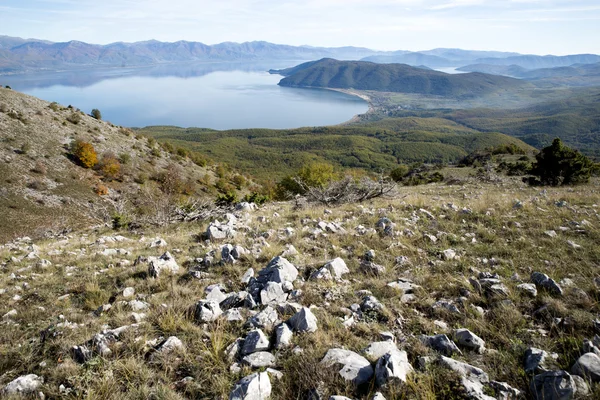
(252, 387)
(23, 385)
(352, 366)
(303, 321)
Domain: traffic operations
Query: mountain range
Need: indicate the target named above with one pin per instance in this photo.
(19, 55)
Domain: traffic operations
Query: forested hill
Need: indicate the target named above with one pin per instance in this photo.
(361, 75)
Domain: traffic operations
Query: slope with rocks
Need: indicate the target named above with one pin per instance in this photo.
(478, 290)
(42, 188)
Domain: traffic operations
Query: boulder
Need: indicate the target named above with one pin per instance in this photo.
(391, 366)
(385, 227)
(303, 321)
(440, 343)
(171, 344)
(534, 360)
(468, 339)
(165, 263)
(278, 270)
(207, 310)
(23, 385)
(256, 386)
(553, 385)
(472, 379)
(337, 268)
(544, 281)
(283, 336)
(255, 341)
(267, 318)
(272, 293)
(352, 366)
(376, 350)
(588, 367)
(260, 359)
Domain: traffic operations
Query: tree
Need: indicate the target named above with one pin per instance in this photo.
(84, 153)
(96, 114)
(558, 164)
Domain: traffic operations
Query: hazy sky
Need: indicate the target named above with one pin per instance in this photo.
(527, 26)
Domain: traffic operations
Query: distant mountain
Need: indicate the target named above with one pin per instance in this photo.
(574, 75)
(412, 59)
(462, 55)
(361, 75)
(536, 62)
(22, 55)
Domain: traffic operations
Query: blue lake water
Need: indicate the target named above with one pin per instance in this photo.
(209, 95)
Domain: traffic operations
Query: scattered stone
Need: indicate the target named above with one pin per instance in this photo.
(128, 292)
(334, 269)
(392, 365)
(207, 310)
(449, 254)
(370, 303)
(473, 379)
(266, 319)
(588, 367)
(353, 367)
(468, 339)
(252, 387)
(171, 344)
(385, 227)
(158, 242)
(272, 293)
(23, 385)
(534, 360)
(166, 263)
(255, 341)
(283, 336)
(547, 283)
(260, 359)
(376, 350)
(440, 343)
(551, 234)
(553, 385)
(528, 288)
(303, 321)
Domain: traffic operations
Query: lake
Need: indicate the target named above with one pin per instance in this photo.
(207, 95)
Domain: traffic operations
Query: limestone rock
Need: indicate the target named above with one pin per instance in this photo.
(534, 360)
(303, 321)
(468, 339)
(588, 367)
(392, 365)
(352, 366)
(165, 263)
(255, 341)
(256, 386)
(207, 310)
(553, 385)
(283, 336)
(441, 343)
(260, 359)
(23, 385)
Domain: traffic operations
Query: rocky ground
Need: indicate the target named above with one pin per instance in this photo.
(473, 291)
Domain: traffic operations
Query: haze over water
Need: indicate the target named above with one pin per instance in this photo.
(218, 96)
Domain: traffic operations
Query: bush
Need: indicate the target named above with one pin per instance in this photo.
(256, 198)
(84, 153)
(74, 117)
(40, 168)
(227, 199)
(96, 114)
(125, 158)
(54, 106)
(558, 164)
(170, 180)
(120, 221)
(101, 190)
(399, 173)
(110, 167)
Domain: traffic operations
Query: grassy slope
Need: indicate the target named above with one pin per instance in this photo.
(508, 328)
(373, 146)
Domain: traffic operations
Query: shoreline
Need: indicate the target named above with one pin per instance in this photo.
(351, 92)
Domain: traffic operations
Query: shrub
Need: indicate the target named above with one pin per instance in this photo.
(256, 198)
(96, 114)
(399, 172)
(181, 152)
(101, 190)
(40, 168)
(239, 181)
(170, 180)
(125, 158)
(54, 106)
(74, 117)
(84, 153)
(558, 164)
(226, 199)
(120, 221)
(25, 148)
(110, 167)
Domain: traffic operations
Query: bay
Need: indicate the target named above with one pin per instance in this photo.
(207, 95)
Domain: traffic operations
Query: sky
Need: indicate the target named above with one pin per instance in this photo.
(526, 26)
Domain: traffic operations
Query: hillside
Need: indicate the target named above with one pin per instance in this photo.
(43, 189)
(474, 290)
(329, 73)
(536, 62)
(274, 154)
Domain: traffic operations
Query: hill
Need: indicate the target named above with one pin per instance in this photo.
(273, 154)
(536, 62)
(360, 75)
(42, 188)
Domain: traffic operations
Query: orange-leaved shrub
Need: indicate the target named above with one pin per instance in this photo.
(84, 153)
